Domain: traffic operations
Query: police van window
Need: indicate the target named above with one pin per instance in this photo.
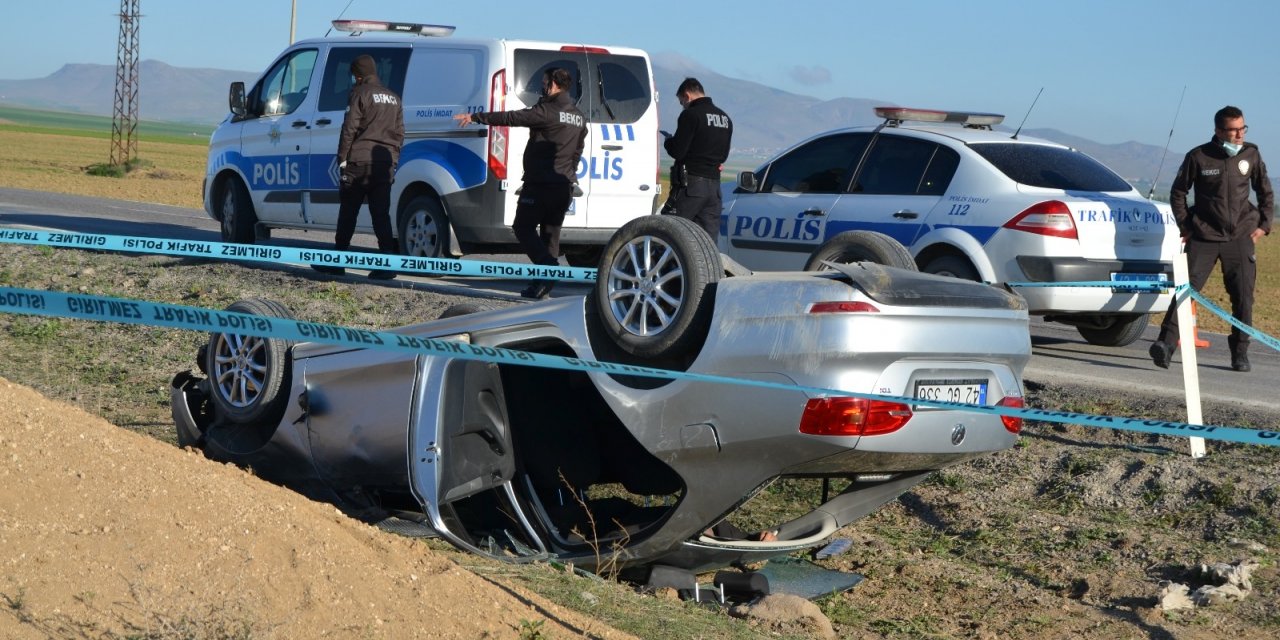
(448, 77)
(820, 166)
(284, 87)
(335, 89)
(1051, 167)
(895, 166)
(530, 64)
(621, 86)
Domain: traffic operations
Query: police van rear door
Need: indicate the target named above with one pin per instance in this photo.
(614, 90)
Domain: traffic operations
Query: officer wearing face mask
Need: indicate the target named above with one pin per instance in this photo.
(1222, 225)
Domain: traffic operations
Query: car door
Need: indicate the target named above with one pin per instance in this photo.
(321, 201)
(899, 183)
(276, 142)
(779, 225)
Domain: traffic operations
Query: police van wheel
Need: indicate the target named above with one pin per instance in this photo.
(953, 267)
(423, 229)
(860, 246)
(652, 290)
(249, 376)
(1122, 330)
(238, 219)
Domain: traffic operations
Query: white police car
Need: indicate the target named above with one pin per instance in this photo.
(272, 162)
(966, 201)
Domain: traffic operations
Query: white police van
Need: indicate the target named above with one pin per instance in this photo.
(272, 162)
(967, 201)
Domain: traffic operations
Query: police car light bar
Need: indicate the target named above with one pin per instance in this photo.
(355, 27)
(896, 115)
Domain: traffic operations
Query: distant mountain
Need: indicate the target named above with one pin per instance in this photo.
(165, 93)
(766, 119)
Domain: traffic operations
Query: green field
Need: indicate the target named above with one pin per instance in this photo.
(14, 118)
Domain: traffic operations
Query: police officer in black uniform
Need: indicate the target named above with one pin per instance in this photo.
(1222, 225)
(557, 133)
(368, 151)
(700, 146)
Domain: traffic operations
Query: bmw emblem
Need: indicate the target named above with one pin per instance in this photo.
(957, 434)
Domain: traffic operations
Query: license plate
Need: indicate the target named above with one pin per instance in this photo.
(966, 391)
(1136, 277)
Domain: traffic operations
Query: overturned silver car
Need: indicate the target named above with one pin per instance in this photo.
(520, 462)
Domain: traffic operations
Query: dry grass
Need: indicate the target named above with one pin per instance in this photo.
(49, 162)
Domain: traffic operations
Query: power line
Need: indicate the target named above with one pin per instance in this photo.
(124, 119)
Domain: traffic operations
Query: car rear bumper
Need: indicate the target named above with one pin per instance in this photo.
(1089, 299)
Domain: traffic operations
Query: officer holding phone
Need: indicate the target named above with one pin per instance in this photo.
(699, 147)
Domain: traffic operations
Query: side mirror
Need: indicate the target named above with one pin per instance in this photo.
(747, 182)
(235, 99)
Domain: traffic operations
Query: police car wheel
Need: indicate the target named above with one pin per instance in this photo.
(238, 219)
(953, 267)
(423, 229)
(651, 293)
(860, 246)
(1122, 330)
(249, 376)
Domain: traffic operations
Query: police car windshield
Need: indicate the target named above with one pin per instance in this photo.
(1050, 167)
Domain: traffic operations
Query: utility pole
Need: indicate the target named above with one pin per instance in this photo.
(293, 20)
(124, 119)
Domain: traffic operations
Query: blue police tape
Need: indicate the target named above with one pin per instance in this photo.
(1254, 333)
(101, 308)
(291, 255)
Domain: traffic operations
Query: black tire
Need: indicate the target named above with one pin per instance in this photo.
(423, 229)
(249, 376)
(238, 218)
(1123, 330)
(953, 267)
(462, 309)
(860, 246)
(584, 256)
(651, 292)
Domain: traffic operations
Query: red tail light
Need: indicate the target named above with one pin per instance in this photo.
(1049, 218)
(577, 49)
(498, 136)
(852, 417)
(843, 307)
(1012, 424)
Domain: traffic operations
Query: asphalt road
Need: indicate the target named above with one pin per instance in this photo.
(1059, 354)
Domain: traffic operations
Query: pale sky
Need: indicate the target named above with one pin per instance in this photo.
(1111, 70)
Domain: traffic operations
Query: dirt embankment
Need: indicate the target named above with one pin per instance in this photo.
(108, 533)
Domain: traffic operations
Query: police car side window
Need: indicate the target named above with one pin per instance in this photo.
(895, 166)
(335, 88)
(941, 169)
(284, 87)
(819, 166)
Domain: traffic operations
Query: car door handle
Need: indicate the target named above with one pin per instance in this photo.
(814, 212)
(324, 121)
(611, 147)
(298, 124)
(906, 215)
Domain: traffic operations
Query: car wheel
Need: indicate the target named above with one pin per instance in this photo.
(423, 228)
(462, 309)
(651, 292)
(583, 256)
(238, 219)
(953, 267)
(1123, 330)
(860, 246)
(249, 376)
